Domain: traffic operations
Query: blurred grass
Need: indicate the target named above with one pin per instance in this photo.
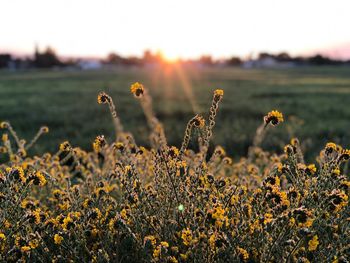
(315, 102)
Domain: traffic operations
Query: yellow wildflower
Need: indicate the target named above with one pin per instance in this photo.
(313, 243)
(58, 239)
(186, 236)
(137, 89)
(243, 254)
(103, 98)
(274, 117)
(25, 249)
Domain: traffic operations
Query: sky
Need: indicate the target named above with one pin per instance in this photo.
(181, 28)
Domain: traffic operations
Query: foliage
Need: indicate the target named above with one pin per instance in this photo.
(123, 202)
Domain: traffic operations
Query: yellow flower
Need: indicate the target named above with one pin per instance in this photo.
(137, 89)
(37, 215)
(313, 243)
(244, 255)
(274, 117)
(124, 214)
(64, 206)
(151, 239)
(65, 146)
(186, 236)
(34, 244)
(268, 218)
(173, 151)
(87, 202)
(219, 92)
(17, 172)
(7, 224)
(119, 146)
(338, 199)
(158, 250)
(311, 169)
(5, 137)
(291, 221)
(99, 143)
(58, 239)
(219, 216)
(212, 241)
(39, 179)
(67, 221)
(336, 171)
(2, 236)
(103, 98)
(25, 249)
(303, 217)
(164, 244)
(330, 147)
(345, 155)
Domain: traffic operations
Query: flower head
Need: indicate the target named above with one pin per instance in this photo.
(310, 169)
(38, 178)
(313, 243)
(243, 254)
(17, 173)
(186, 236)
(99, 143)
(58, 239)
(330, 147)
(344, 155)
(103, 98)
(274, 117)
(65, 146)
(44, 129)
(218, 94)
(173, 151)
(4, 125)
(2, 236)
(137, 89)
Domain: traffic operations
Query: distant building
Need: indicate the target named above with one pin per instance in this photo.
(267, 61)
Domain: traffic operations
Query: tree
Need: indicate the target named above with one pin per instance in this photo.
(47, 59)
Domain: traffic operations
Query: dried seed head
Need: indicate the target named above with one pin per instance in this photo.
(4, 125)
(44, 129)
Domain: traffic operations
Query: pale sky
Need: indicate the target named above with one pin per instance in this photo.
(186, 28)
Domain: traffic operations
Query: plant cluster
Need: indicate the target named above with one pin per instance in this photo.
(123, 202)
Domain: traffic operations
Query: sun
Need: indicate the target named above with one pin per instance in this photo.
(169, 57)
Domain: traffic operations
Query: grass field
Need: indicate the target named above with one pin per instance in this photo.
(315, 102)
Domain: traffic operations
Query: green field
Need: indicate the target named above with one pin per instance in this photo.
(315, 102)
